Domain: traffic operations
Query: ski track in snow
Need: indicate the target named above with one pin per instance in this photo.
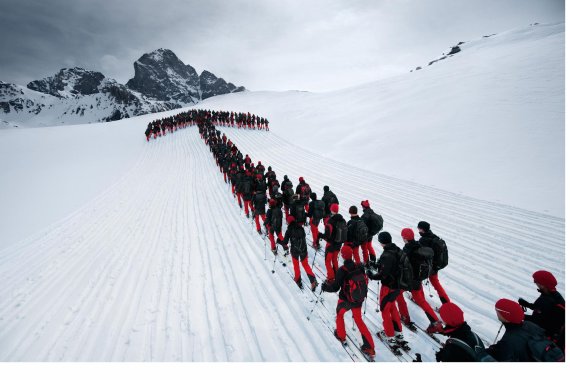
(163, 266)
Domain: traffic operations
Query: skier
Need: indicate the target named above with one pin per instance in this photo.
(429, 239)
(462, 347)
(247, 189)
(388, 274)
(329, 198)
(316, 213)
(296, 235)
(273, 225)
(240, 178)
(343, 278)
(287, 190)
(411, 248)
(298, 210)
(333, 236)
(513, 345)
(304, 192)
(259, 202)
(357, 233)
(374, 223)
(260, 168)
(548, 309)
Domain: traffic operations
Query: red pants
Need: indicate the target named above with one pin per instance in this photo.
(331, 263)
(438, 288)
(367, 249)
(225, 178)
(272, 239)
(247, 207)
(315, 233)
(257, 221)
(389, 310)
(307, 207)
(341, 308)
(286, 209)
(239, 196)
(419, 298)
(306, 266)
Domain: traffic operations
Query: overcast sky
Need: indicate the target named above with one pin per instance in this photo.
(314, 45)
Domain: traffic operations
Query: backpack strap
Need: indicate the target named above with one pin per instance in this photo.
(464, 346)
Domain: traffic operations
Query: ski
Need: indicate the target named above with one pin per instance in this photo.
(395, 349)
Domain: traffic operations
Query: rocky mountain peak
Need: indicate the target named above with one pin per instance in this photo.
(69, 82)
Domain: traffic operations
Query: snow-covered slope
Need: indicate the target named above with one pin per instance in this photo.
(487, 122)
(157, 262)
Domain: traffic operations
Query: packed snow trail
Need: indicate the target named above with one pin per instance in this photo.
(159, 267)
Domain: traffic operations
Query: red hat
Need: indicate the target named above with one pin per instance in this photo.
(290, 219)
(259, 176)
(334, 208)
(301, 179)
(272, 203)
(258, 162)
(451, 314)
(408, 234)
(545, 279)
(511, 311)
(346, 252)
(365, 204)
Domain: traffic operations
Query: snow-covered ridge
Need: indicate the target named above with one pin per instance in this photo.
(74, 95)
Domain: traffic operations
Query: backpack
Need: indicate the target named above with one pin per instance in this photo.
(276, 220)
(298, 241)
(299, 213)
(360, 232)
(542, 349)
(406, 271)
(247, 186)
(318, 210)
(375, 223)
(340, 231)
(356, 287)
(440, 256)
(426, 255)
(478, 353)
(305, 191)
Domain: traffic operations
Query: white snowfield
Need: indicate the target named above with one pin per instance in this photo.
(115, 249)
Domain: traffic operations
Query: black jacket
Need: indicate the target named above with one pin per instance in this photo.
(366, 214)
(351, 226)
(259, 202)
(296, 234)
(453, 353)
(513, 345)
(411, 249)
(330, 233)
(247, 182)
(548, 314)
(343, 275)
(388, 267)
(329, 198)
(274, 220)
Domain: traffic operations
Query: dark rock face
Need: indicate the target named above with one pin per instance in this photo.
(75, 81)
(212, 85)
(162, 76)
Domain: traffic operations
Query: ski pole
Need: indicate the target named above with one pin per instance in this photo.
(314, 257)
(365, 303)
(429, 288)
(265, 247)
(378, 307)
(315, 305)
(498, 332)
(274, 261)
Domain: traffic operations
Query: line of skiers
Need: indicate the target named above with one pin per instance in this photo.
(399, 270)
(171, 124)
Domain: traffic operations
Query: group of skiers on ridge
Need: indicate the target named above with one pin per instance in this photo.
(171, 124)
(398, 269)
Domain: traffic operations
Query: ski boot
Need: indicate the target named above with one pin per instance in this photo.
(402, 343)
(314, 285)
(274, 251)
(408, 323)
(392, 343)
(299, 283)
(343, 341)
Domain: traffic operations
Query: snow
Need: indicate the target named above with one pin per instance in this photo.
(115, 249)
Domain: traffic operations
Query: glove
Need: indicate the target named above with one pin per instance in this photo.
(368, 272)
(524, 303)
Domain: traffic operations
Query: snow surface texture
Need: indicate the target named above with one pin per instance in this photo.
(115, 249)
(487, 122)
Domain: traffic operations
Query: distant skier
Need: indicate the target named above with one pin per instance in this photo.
(357, 233)
(304, 192)
(335, 236)
(388, 274)
(288, 192)
(374, 223)
(421, 271)
(273, 224)
(259, 203)
(315, 214)
(295, 234)
(350, 274)
(247, 188)
(429, 239)
(548, 311)
(329, 198)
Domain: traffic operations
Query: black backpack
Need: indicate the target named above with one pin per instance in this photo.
(426, 256)
(360, 232)
(440, 256)
(405, 271)
(318, 209)
(305, 191)
(542, 349)
(340, 231)
(299, 213)
(477, 353)
(356, 285)
(276, 219)
(375, 223)
(298, 240)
